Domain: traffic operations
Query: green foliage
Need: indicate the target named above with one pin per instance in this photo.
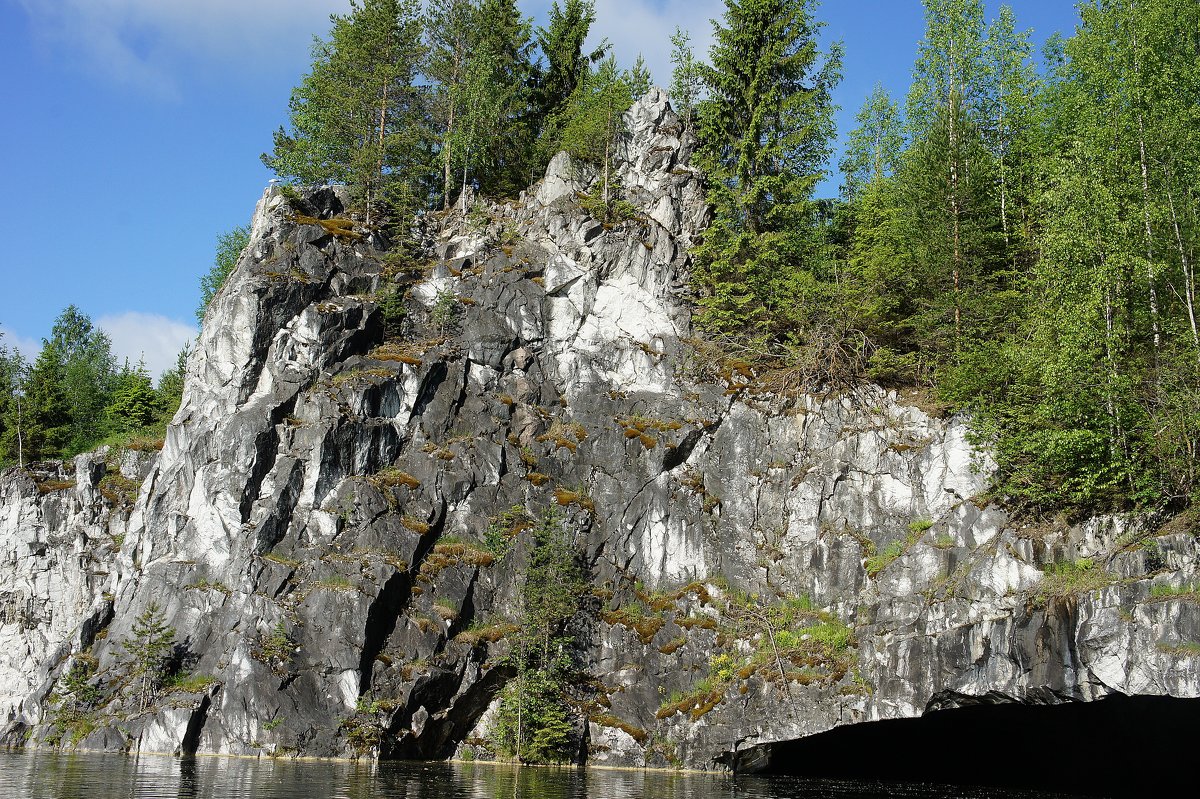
(765, 131)
(38, 425)
(358, 117)
(147, 652)
(394, 311)
(1072, 577)
(686, 82)
(446, 311)
(535, 719)
(135, 403)
(170, 385)
(594, 119)
(229, 248)
(561, 42)
(503, 529)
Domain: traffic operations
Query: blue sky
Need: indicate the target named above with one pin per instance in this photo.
(132, 130)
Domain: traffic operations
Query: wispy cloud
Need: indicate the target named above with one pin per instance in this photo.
(147, 45)
(152, 338)
(640, 26)
(28, 347)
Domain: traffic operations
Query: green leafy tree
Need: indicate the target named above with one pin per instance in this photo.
(229, 248)
(449, 30)
(873, 148)
(944, 109)
(86, 370)
(147, 651)
(170, 385)
(765, 131)
(13, 374)
(1010, 113)
(359, 117)
(594, 120)
(686, 81)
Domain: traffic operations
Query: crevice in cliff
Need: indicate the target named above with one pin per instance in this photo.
(393, 598)
(1012, 745)
(266, 449)
(429, 386)
(381, 621)
(195, 725)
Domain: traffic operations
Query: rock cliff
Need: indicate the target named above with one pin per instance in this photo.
(319, 528)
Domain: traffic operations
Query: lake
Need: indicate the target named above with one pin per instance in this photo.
(51, 775)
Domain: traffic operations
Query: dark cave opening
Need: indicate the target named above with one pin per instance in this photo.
(1115, 747)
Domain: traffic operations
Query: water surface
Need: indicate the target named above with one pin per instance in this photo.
(50, 775)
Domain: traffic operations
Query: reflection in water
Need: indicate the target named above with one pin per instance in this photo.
(46, 775)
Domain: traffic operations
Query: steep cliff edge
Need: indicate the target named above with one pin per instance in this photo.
(319, 526)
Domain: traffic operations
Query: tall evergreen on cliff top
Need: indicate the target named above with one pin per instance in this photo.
(359, 116)
(765, 131)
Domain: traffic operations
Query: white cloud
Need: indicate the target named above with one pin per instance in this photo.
(148, 44)
(145, 336)
(638, 26)
(28, 347)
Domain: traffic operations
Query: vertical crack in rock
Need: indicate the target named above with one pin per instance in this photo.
(393, 598)
(266, 449)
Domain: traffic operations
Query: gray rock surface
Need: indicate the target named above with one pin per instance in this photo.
(313, 526)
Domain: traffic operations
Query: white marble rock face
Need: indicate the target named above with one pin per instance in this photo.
(307, 478)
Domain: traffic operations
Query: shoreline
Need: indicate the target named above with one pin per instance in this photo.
(361, 761)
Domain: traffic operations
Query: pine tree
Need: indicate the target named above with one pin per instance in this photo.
(147, 651)
(359, 116)
(765, 131)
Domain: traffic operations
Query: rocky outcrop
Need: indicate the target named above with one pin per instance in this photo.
(764, 566)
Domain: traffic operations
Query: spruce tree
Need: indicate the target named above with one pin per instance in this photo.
(765, 131)
(86, 375)
(134, 402)
(39, 425)
(147, 650)
(503, 52)
(567, 65)
(561, 43)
